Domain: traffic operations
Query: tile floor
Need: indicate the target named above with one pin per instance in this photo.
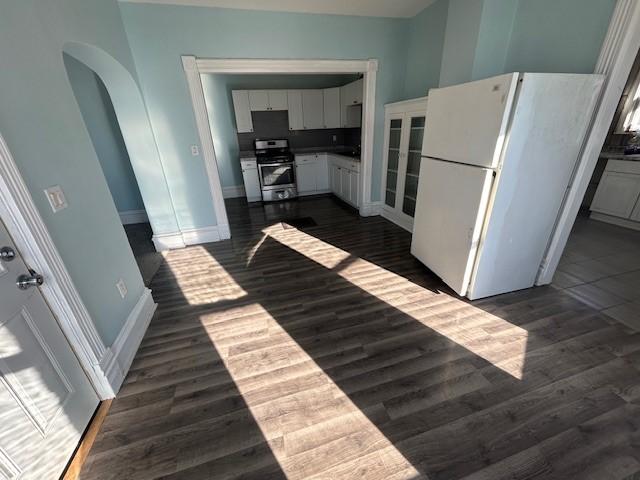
(601, 267)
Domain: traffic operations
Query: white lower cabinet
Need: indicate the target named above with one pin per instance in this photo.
(251, 179)
(617, 198)
(312, 174)
(345, 179)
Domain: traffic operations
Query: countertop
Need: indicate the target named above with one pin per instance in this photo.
(339, 150)
(620, 156)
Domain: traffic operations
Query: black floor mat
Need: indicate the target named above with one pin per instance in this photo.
(302, 222)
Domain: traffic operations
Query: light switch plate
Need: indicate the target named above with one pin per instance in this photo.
(195, 151)
(56, 198)
(122, 288)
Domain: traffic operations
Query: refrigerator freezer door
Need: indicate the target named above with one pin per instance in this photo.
(451, 207)
(467, 123)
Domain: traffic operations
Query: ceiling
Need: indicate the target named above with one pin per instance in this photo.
(365, 8)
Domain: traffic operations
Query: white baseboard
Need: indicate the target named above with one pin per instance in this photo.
(397, 219)
(234, 191)
(133, 216)
(191, 236)
(621, 222)
(370, 209)
(168, 241)
(126, 344)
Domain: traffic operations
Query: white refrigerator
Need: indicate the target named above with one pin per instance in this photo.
(497, 158)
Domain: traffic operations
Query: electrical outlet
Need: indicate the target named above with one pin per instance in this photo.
(195, 151)
(122, 288)
(56, 198)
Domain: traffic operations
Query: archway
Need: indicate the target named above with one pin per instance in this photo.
(138, 137)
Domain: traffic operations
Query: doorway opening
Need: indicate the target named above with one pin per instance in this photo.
(601, 262)
(106, 136)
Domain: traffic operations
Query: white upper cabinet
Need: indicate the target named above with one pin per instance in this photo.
(351, 96)
(278, 100)
(294, 100)
(267, 100)
(244, 123)
(258, 100)
(331, 107)
(312, 109)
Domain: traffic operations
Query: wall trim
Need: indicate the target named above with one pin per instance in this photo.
(126, 344)
(617, 55)
(133, 216)
(28, 230)
(370, 209)
(234, 191)
(191, 236)
(194, 67)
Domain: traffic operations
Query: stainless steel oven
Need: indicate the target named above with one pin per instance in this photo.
(276, 170)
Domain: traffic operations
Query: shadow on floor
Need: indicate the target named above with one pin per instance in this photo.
(331, 352)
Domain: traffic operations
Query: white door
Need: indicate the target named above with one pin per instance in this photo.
(335, 179)
(294, 101)
(244, 122)
(322, 172)
(452, 203)
(277, 100)
(331, 98)
(251, 181)
(306, 177)
(259, 100)
(312, 109)
(46, 400)
(468, 122)
(617, 194)
(354, 188)
(345, 184)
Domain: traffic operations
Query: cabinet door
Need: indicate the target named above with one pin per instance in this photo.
(259, 100)
(344, 101)
(331, 107)
(294, 101)
(306, 177)
(617, 194)
(278, 100)
(357, 91)
(354, 188)
(411, 164)
(322, 172)
(312, 110)
(244, 123)
(335, 179)
(345, 184)
(251, 183)
(392, 163)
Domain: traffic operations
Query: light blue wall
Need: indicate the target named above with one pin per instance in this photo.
(102, 125)
(43, 127)
(460, 40)
(494, 37)
(217, 92)
(160, 34)
(424, 49)
(558, 35)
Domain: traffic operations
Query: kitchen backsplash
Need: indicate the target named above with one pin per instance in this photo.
(270, 125)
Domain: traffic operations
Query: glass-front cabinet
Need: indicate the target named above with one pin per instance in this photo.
(404, 131)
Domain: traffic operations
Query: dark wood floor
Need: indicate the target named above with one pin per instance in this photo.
(330, 352)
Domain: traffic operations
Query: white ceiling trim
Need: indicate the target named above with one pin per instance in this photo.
(364, 8)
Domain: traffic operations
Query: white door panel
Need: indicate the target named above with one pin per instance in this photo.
(46, 400)
(451, 206)
(467, 123)
(617, 194)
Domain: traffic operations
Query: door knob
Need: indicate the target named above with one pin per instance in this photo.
(7, 254)
(26, 281)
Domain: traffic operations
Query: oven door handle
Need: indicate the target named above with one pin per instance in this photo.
(275, 164)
